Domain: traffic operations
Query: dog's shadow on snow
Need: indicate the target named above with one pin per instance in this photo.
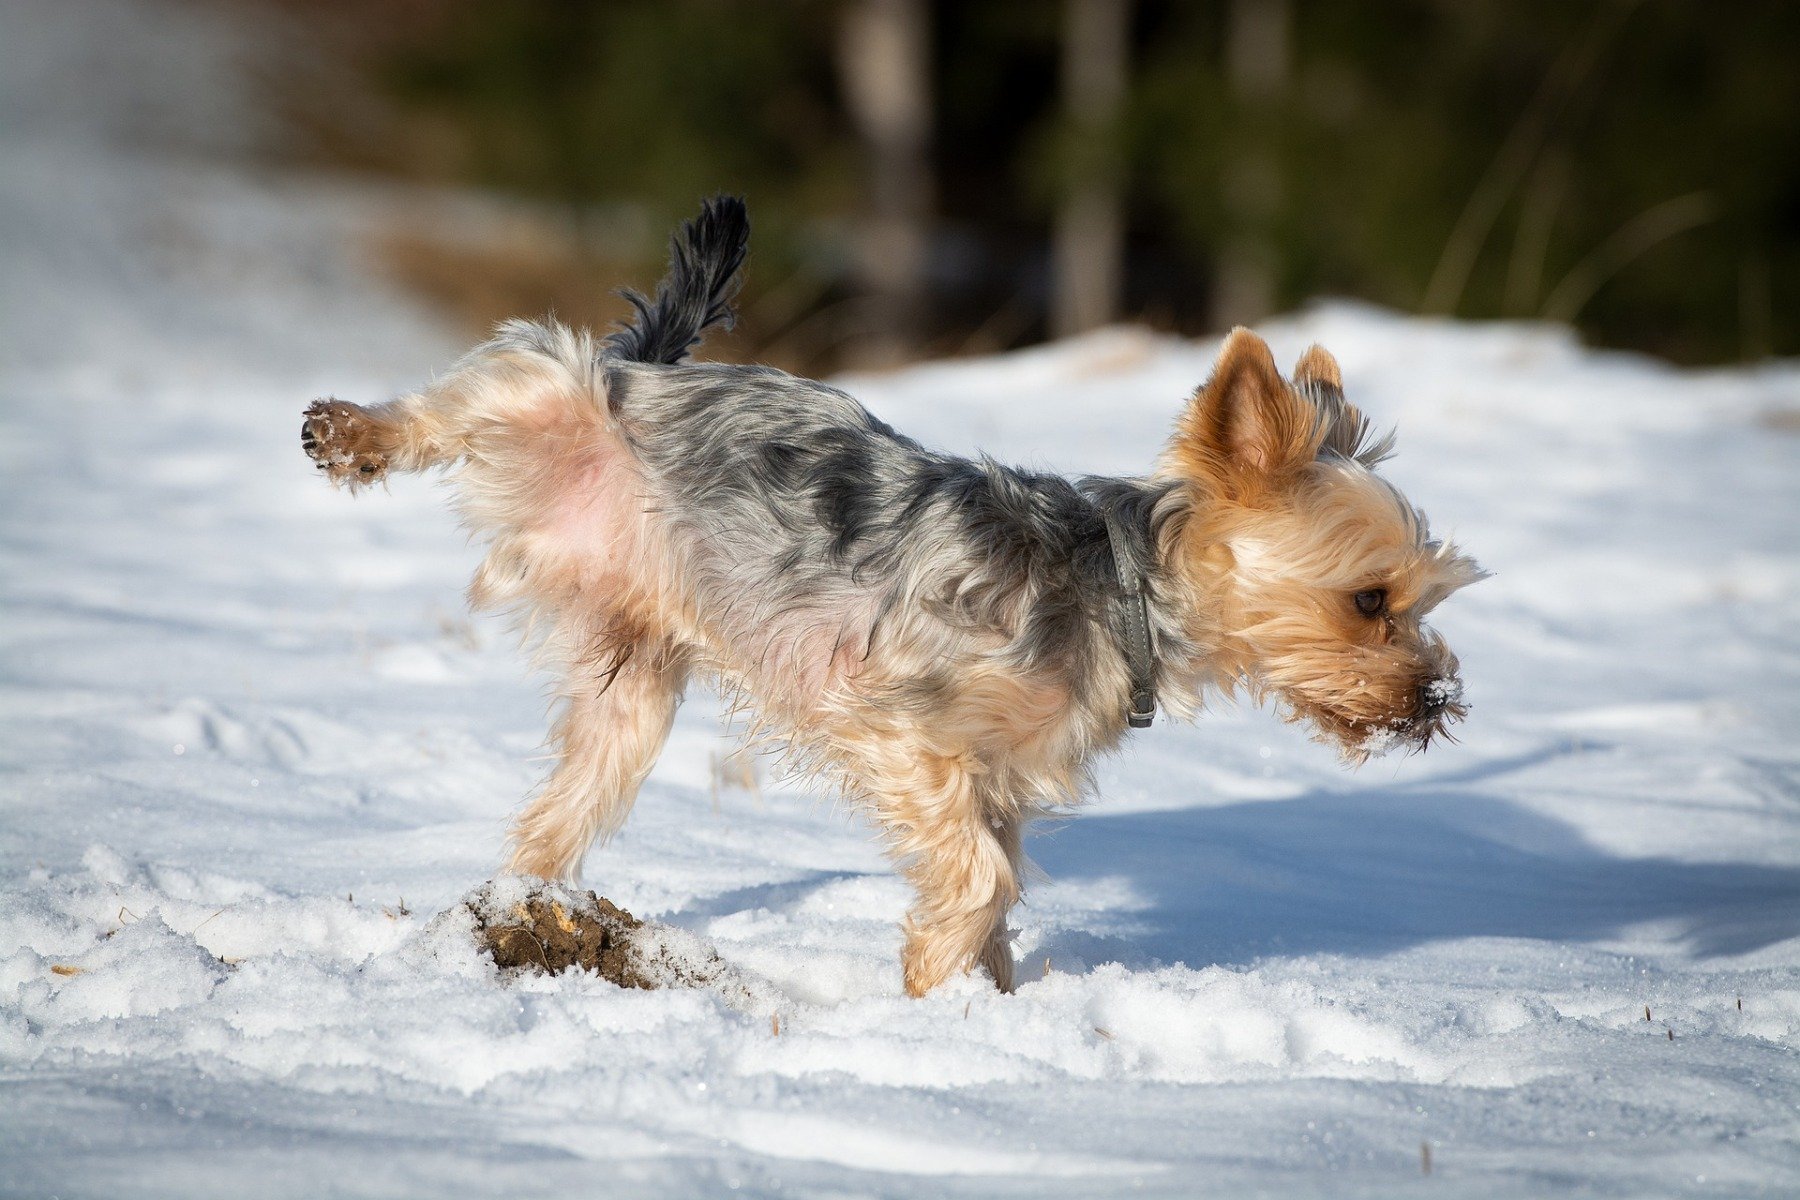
(1365, 872)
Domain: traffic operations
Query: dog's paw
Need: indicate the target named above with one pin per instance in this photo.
(343, 441)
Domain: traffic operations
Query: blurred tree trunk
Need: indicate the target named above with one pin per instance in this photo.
(1256, 67)
(1090, 228)
(884, 58)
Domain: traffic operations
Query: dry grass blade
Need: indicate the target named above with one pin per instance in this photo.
(1513, 160)
(1628, 242)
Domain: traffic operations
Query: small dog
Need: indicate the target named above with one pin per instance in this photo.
(950, 640)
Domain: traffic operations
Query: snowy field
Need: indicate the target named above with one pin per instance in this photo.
(251, 744)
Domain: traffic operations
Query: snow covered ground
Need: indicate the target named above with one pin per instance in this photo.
(251, 744)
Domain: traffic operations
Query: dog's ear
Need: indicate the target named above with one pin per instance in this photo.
(1246, 432)
(1348, 433)
(1317, 367)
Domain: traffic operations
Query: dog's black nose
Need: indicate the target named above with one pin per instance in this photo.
(1433, 698)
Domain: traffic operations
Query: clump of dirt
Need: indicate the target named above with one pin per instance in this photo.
(538, 933)
(547, 928)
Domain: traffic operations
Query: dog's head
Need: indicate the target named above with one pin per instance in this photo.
(1309, 574)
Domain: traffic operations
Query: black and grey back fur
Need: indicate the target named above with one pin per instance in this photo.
(799, 506)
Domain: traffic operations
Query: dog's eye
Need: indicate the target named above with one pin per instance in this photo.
(1372, 602)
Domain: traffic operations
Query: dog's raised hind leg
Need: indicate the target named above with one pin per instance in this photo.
(528, 377)
(350, 443)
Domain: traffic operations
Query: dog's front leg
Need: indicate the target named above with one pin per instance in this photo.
(961, 853)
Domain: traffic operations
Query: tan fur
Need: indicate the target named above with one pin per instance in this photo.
(1280, 538)
(1317, 366)
(1278, 521)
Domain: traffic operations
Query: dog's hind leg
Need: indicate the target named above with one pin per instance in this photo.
(621, 697)
(350, 443)
(528, 377)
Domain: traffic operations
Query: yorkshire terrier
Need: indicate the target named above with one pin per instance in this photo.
(952, 641)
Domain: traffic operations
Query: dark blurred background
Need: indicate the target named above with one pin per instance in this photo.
(942, 178)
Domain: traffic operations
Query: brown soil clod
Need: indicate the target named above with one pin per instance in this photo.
(539, 934)
(547, 928)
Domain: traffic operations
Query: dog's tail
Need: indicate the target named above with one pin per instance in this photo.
(704, 259)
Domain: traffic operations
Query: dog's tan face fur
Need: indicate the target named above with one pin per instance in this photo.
(1310, 575)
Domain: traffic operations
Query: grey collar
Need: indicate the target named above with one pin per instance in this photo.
(1132, 610)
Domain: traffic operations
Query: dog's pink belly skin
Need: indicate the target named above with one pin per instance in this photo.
(571, 534)
(596, 518)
